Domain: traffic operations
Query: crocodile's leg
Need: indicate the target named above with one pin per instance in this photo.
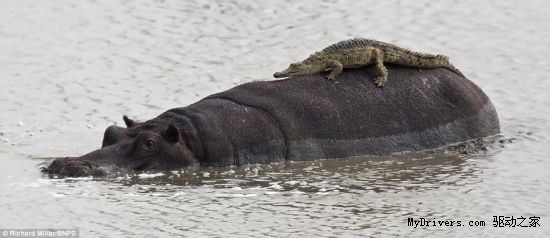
(335, 69)
(381, 70)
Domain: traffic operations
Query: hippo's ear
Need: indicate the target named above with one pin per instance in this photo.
(172, 134)
(129, 122)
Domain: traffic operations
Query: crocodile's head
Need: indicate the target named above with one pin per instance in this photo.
(299, 69)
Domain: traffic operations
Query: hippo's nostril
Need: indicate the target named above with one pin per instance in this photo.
(70, 167)
(76, 163)
(56, 166)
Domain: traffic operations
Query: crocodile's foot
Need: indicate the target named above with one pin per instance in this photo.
(380, 81)
(331, 77)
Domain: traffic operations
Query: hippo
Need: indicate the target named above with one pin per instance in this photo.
(299, 119)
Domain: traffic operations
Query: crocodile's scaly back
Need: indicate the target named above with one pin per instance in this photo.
(356, 43)
(360, 52)
(345, 45)
(392, 54)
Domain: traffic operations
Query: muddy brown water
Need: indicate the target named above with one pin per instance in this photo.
(70, 69)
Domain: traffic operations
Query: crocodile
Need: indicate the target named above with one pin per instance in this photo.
(359, 52)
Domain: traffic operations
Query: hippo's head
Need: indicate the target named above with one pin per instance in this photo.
(146, 146)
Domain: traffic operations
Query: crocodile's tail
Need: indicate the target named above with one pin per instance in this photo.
(444, 62)
(434, 61)
(431, 61)
(415, 59)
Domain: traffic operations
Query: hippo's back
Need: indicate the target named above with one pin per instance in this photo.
(317, 118)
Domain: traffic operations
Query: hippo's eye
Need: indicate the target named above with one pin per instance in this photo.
(150, 144)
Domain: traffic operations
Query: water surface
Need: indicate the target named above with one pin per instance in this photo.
(70, 69)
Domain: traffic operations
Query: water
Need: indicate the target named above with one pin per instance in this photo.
(70, 69)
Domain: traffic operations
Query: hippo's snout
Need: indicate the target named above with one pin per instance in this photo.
(73, 167)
